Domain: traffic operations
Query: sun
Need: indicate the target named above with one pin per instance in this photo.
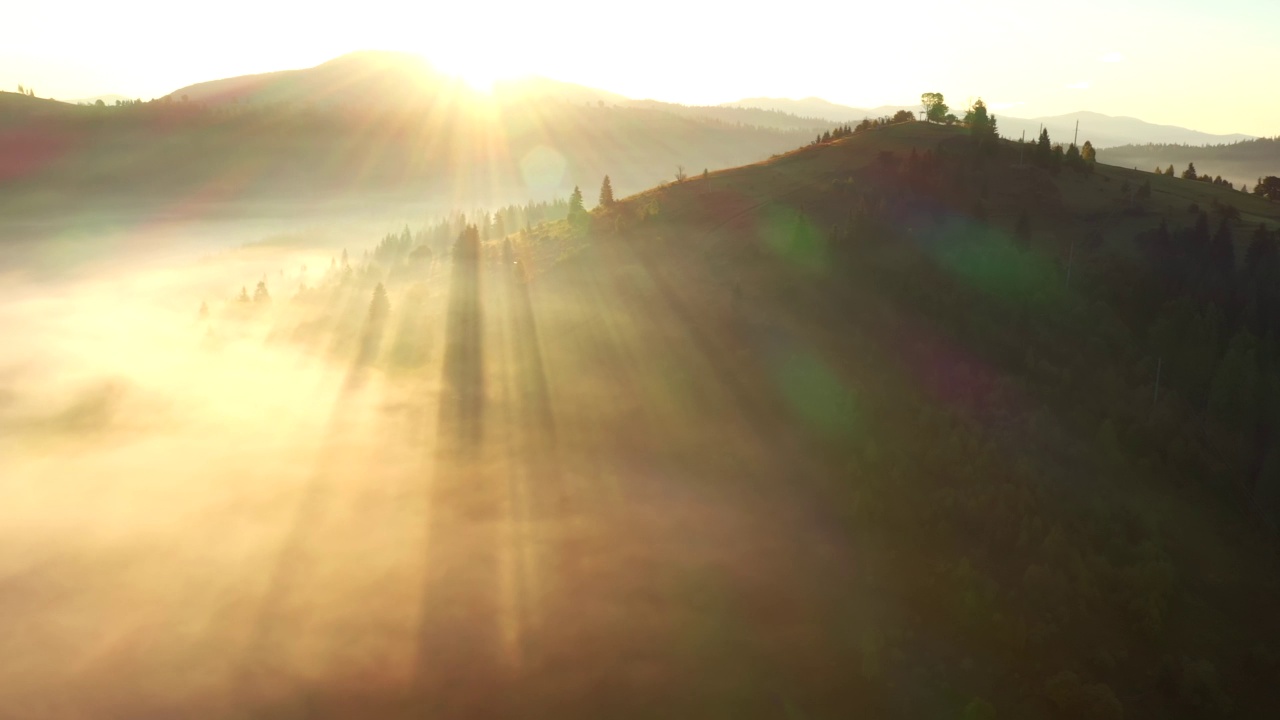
(479, 73)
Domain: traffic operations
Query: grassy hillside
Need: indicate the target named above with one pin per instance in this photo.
(969, 404)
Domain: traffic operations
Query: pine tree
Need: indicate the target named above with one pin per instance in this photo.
(606, 193)
(244, 295)
(379, 307)
(1073, 159)
(1190, 172)
(260, 295)
(1044, 149)
(1169, 171)
(575, 204)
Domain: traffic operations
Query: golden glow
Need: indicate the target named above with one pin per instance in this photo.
(695, 53)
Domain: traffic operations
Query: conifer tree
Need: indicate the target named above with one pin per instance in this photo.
(260, 295)
(606, 193)
(379, 307)
(1169, 171)
(1190, 172)
(1044, 149)
(575, 204)
(244, 295)
(1088, 154)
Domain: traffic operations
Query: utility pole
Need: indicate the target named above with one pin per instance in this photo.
(1022, 147)
(1076, 138)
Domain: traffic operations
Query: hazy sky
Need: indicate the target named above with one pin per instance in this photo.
(1195, 63)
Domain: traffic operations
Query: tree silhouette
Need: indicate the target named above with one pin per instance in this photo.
(982, 125)
(1190, 172)
(260, 294)
(1088, 154)
(1072, 158)
(576, 209)
(1044, 149)
(606, 193)
(244, 295)
(935, 109)
(1268, 187)
(379, 307)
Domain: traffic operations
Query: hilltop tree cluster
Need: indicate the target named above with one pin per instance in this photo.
(1268, 187)
(843, 131)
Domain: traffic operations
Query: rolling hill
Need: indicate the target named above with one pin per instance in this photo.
(368, 124)
(1011, 388)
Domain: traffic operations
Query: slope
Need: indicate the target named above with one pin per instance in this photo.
(948, 361)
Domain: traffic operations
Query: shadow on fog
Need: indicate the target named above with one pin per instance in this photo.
(277, 626)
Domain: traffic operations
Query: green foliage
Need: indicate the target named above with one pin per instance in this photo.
(982, 125)
(1268, 187)
(934, 106)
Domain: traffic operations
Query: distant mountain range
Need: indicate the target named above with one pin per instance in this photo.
(364, 125)
(375, 122)
(1101, 130)
(815, 107)
(1106, 131)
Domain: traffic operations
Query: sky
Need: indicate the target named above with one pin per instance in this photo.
(1193, 63)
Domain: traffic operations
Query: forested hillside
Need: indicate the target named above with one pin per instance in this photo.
(909, 422)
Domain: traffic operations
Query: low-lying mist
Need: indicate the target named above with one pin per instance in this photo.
(308, 474)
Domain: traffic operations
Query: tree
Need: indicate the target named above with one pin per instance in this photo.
(575, 204)
(1088, 154)
(982, 125)
(902, 116)
(1072, 158)
(1169, 171)
(680, 174)
(935, 109)
(1044, 149)
(1268, 187)
(244, 295)
(260, 294)
(1190, 172)
(606, 193)
(99, 103)
(379, 306)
